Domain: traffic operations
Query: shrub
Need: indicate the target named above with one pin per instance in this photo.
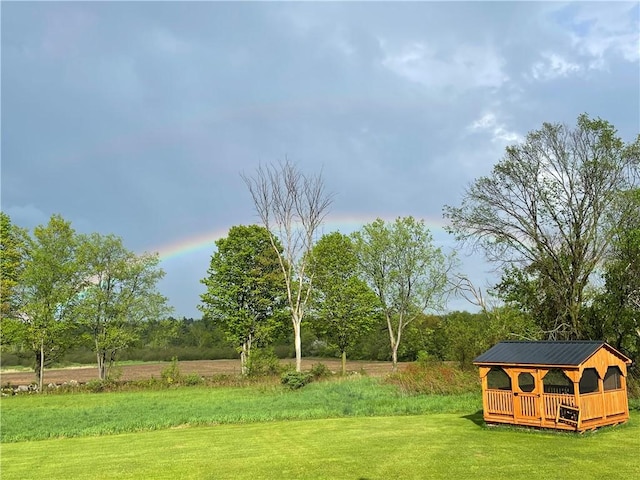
(263, 362)
(192, 379)
(171, 374)
(295, 380)
(320, 370)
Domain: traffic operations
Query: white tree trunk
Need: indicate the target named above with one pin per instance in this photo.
(297, 340)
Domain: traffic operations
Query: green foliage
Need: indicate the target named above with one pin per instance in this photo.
(120, 295)
(14, 244)
(428, 377)
(263, 362)
(320, 370)
(344, 307)
(49, 288)
(615, 311)
(171, 374)
(405, 269)
(245, 290)
(295, 380)
(470, 334)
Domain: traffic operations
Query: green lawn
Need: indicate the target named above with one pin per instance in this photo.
(351, 429)
(407, 447)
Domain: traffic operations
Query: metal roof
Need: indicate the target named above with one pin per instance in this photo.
(540, 353)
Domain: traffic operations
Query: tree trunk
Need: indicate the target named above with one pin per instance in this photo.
(394, 357)
(243, 358)
(393, 341)
(102, 370)
(41, 372)
(344, 363)
(298, 344)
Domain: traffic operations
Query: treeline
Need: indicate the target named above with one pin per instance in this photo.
(456, 336)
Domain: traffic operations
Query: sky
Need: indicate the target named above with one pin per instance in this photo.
(138, 118)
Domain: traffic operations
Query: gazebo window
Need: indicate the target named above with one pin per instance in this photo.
(589, 381)
(612, 379)
(526, 382)
(497, 379)
(556, 381)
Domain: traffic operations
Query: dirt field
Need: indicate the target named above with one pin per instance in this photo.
(205, 368)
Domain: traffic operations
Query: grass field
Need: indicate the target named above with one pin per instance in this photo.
(352, 429)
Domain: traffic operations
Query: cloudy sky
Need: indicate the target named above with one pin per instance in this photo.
(137, 118)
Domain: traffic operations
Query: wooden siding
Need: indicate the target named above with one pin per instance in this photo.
(603, 359)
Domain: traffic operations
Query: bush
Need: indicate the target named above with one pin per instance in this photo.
(171, 374)
(295, 380)
(320, 370)
(192, 379)
(263, 362)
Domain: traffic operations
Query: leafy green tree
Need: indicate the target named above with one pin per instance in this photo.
(245, 292)
(406, 271)
(13, 253)
(121, 293)
(292, 207)
(616, 310)
(49, 290)
(470, 334)
(344, 306)
(548, 210)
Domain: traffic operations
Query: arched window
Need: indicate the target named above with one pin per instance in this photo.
(589, 381)
(556, 381)
(612, 379)
(497, 379)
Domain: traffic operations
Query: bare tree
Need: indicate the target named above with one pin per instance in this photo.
(291, 206)
(546, 212)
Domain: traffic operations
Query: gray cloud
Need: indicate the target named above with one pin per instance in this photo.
(136, 118)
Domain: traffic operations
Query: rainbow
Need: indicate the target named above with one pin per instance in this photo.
(342, 223)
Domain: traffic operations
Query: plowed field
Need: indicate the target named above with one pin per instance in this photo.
(205, 368)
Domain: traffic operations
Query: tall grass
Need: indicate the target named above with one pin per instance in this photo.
(85, 414)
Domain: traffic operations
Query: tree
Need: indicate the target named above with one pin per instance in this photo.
(292, 207)
(470, 334)
(616, 310)
(405, 270)
(13, 253)
(120, 294)
(545, 211)
(48, 292)
(345, 307)
(245, 292)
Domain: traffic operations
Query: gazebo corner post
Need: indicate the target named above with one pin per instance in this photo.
(483, 371)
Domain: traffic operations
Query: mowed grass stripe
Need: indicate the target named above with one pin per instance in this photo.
(406, 447)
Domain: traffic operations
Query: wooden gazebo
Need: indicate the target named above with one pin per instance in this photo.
(578, 385)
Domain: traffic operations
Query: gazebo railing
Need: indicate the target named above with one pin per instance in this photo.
(552, 400)
(499, 402)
